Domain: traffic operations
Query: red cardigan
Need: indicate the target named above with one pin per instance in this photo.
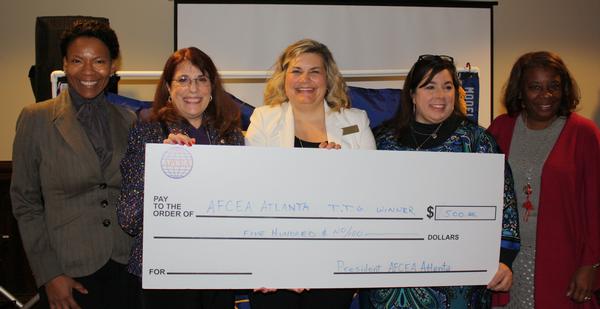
(568, 230)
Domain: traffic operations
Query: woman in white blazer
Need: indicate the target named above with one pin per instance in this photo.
(306, 106)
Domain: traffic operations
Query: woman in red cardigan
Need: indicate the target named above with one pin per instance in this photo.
(555, 157)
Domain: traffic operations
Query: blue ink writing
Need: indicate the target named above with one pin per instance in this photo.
(219, 206)
(358, 268)
(397, 210)
(268, 206)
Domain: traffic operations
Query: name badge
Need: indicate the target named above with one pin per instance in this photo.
(350, 130)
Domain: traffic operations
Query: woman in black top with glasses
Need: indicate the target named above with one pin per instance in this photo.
(432, 118)
(190, 107)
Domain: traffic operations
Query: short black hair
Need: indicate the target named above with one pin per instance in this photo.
(92, 29)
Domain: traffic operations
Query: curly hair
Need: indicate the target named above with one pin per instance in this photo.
(92, 29)
(421, 73)
(336, 86)
(221, 113)
(512, 97)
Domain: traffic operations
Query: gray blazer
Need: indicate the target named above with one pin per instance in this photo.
(64, 203)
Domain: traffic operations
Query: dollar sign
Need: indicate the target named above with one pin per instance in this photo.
(430, 212)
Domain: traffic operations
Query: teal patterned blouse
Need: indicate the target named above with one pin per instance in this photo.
(468, 137)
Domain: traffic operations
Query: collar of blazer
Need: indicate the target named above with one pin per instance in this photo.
(66, 122)
(333, 125)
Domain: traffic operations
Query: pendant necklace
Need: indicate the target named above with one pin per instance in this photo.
(528, 205)
(208, 135)
(528, 188)
(432, 135)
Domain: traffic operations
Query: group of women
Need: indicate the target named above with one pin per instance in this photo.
(68, 193)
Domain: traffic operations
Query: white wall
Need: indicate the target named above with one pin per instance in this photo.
(569, 28)
(145, 30)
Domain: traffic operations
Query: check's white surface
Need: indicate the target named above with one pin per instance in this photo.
(247, 217)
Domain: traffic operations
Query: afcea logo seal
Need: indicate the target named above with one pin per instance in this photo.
(177, 162)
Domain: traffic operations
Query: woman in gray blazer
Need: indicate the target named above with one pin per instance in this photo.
(66, 180)
(306, 106)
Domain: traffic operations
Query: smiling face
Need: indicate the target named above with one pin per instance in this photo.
(306, 80)
(88, 66)
(434, 101)
(190, 91)
(541, 94)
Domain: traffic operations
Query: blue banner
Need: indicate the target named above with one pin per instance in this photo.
(470, 83)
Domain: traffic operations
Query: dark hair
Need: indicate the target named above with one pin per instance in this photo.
(512, 97)
(421, 73)
(92, 29)
(221, 113)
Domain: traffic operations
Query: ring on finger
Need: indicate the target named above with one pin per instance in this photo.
(587, 298)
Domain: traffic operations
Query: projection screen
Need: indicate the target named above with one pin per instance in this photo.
(242, 37)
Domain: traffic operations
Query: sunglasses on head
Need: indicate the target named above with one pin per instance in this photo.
(436, 57)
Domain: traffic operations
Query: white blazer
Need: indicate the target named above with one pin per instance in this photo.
(274, 126)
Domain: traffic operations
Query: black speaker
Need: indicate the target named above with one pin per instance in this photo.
(48, 31)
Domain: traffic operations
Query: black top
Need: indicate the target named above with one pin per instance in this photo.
(93, 117)
(298, 143)
(425, 136)
(199, 134)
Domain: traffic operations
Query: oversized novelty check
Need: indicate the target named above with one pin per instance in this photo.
(246, 217)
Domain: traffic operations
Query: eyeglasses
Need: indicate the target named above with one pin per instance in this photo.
(186, 81)
(436, 57)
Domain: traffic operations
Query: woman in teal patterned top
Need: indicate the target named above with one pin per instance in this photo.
(432, 118)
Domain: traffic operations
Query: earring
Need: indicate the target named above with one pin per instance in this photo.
(414, 109)
(169, 99)
(210, 99)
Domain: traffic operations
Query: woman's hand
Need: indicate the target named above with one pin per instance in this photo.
(502, 280)
(179, 138)
(60, 292)
(269, 290)
(330, 145)
(264, 290)
(581, 288)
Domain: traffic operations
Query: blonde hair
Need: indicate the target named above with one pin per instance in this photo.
(336, 86)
